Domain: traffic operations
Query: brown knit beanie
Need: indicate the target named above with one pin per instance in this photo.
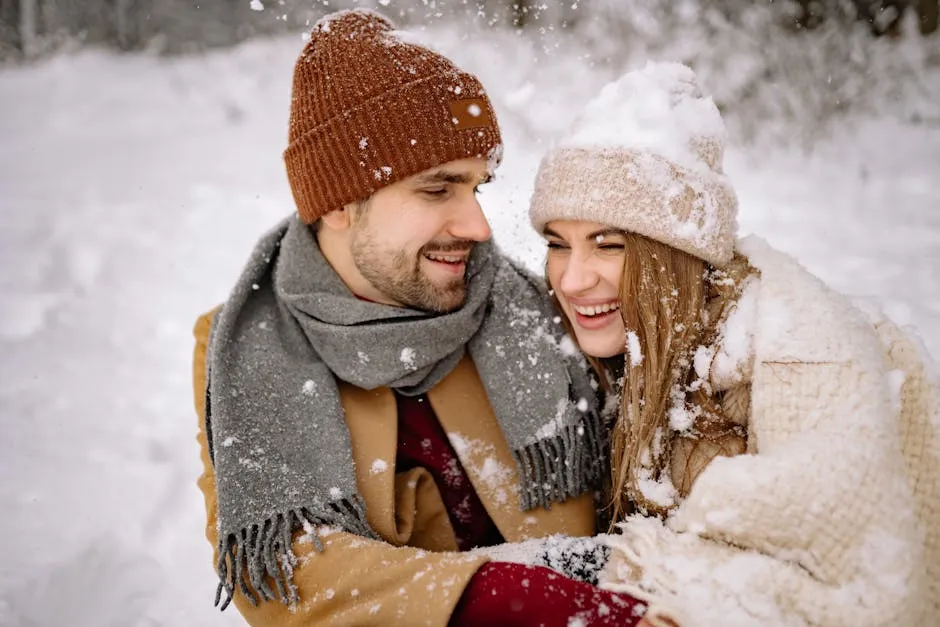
(369, 109)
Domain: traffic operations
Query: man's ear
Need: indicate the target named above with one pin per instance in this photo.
(338, 219)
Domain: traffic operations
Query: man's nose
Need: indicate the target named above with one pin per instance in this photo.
(469, 223)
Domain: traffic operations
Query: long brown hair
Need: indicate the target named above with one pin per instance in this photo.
(671, 302)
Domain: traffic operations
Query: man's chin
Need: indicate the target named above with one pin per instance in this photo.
(448, 298)
(449, 304)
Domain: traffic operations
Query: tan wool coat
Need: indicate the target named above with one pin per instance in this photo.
(414, 575)
(832, 518)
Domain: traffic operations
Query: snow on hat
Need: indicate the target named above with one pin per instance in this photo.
(645, 156)
(369, 108)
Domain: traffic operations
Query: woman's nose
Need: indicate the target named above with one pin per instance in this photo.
(578, 276)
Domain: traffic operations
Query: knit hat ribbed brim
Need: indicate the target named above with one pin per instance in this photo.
(645, 156)
(369, 109)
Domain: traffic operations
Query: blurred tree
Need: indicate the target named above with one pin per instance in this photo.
(9, 27)
(883, 16)
(28, 15)
(519, 13)
(929, 13)
(33, 27)
(809, 14)
(127, 17)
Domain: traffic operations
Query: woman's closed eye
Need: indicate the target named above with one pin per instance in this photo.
(555, 245)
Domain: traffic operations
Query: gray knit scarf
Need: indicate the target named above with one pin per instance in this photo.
(277, 434)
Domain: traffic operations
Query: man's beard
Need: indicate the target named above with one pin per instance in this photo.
(399, 276)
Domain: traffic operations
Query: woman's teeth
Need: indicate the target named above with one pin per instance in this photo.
(595, 310)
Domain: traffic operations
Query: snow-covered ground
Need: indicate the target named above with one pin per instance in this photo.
(131, 189)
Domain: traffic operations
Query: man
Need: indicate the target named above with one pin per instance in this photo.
(383, 391)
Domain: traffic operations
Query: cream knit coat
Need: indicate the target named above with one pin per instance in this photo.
(835, 519)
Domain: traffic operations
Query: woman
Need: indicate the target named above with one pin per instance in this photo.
(774, 452)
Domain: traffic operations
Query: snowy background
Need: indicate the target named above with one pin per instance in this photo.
(133, 186)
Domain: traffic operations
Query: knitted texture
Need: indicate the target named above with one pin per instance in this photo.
(834, 521)
(369, 109)
(578, 558)
(281, 446)
(645, 156)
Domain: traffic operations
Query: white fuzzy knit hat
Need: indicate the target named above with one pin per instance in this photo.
(645, 156)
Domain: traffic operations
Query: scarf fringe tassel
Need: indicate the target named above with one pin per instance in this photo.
(552, 470)
(257, 556)
(556, 468)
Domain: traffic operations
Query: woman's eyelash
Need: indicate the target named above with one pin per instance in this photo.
(435, 192)
(601, 246)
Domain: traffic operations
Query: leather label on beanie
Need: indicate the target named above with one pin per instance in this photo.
(470, 113)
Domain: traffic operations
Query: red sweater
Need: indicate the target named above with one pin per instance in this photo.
(500, 594)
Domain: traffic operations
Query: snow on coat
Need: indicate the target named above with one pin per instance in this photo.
(835, 520)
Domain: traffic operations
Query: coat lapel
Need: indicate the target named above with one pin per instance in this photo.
(372, 419)
(404, 508)
(462, 407)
